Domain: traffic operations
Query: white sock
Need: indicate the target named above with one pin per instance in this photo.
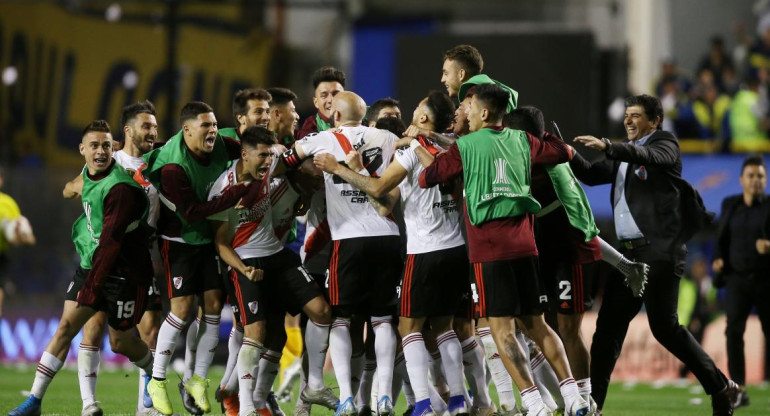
(395, 388)
(526, 344)
(207, 344)
(475, 371)
(357, 371)
(500, 376)
(436, 402)
(569, 391)
(615, 258)
(416, 364)
(269, 363)
(247, 363)
(531, 400)
(452, 359)
(142, 374)
(437, 372)
(406, 384)
(385, 352)
(233, 349)
(340, 350)
(88, 371)
(316, 344)
(191, 348)
(609, 253)
(164, 347)
(584, 388)
(46, 370)
(364, 395)
(546, 381)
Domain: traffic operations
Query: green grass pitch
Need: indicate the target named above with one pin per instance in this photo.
(117, 391)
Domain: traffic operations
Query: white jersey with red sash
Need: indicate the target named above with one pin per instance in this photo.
(431, 216)
(349, 212)
(251, 230)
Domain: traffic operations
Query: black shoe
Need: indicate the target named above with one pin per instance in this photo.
(722, 402)
(742, 398)
(189, 402)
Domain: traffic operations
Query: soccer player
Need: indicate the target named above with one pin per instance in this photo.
(382, 108)
(14, 231)
(284, 196)
(183, 170)
(327, 83)
(140, 130)
(495, 163)
(115, 266)
(247, 242)
(283, 114)
(435, 277)
(359, 235)
(569, 248)
(251, 107)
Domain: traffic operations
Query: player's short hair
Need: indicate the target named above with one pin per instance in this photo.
(468, 57)
(132, 110)
(443, 110)
(494, 98)
(101, 126)
(242, 97)
(652, 106)
(378, 105)
(255, 135)
(281, 96)
(752, 160)
(391, 124)
(527, 118)
(191, 110)
(328, 74)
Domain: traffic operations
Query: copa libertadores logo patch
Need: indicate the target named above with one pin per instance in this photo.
(501, 165)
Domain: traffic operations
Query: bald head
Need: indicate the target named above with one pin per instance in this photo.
(348, 107)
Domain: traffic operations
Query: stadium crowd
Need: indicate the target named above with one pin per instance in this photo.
(725, 97)
(422, 244)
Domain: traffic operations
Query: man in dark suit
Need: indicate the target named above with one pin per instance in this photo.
(655, 212)
(742, 256)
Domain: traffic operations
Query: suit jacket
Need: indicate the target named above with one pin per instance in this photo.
(722, 249)
(665, 207)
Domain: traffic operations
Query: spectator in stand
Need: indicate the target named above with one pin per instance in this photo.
(710, 107)
(669, 70)
(697, 302)
(717, 61)
(759, 53)
(730, 81)
(743, 42)
(748, 116)
(677, 110)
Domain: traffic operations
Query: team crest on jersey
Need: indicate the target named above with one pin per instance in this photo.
(178, 282)
(253, 306)
(641, 173)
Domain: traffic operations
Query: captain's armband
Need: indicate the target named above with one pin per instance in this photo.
(291, 158)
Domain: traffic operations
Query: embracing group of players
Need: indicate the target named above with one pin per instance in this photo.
(492, 221)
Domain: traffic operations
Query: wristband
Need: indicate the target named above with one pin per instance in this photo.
(414, 143)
